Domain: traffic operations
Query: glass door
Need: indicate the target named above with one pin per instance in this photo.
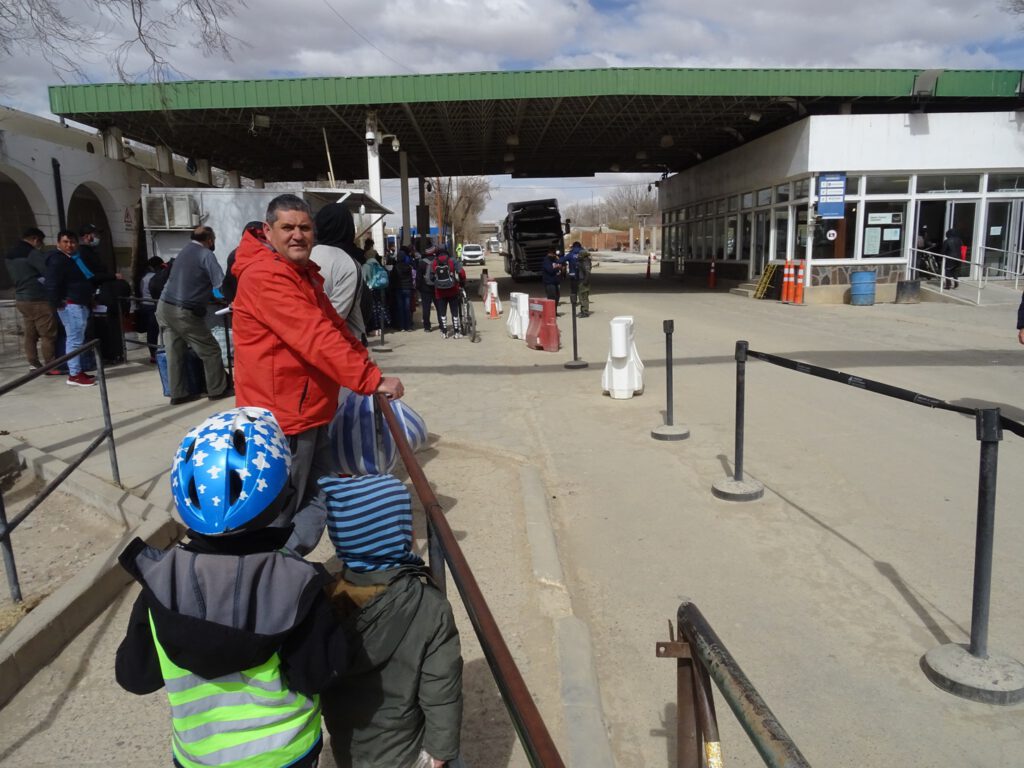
(762, 236)
(997, 253)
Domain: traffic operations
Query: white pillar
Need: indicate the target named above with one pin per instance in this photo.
(234, 179)
(373, 174)
(403, 167)
(113, 143)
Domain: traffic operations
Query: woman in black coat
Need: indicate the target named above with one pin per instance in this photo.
(952, 249)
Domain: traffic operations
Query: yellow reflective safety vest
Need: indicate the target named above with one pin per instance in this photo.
(249, 718)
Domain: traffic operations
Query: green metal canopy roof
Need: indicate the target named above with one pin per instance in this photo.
(537, 123)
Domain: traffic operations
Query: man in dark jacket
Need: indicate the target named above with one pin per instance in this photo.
(400, 704)
(181, 313)
(403, 279)
(27, 267)
(71, 281)
(551, 275)
(952, 250)
(341, 261)
(424, 287)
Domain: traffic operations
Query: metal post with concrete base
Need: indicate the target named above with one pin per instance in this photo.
(669, 431)
(575, 363)
(971, 671)
(735, 488)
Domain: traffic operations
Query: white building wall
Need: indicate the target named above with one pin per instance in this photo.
(916, 142)
(856, 143)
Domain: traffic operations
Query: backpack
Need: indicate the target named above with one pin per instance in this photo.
(443, 277)
(159, 280)
(378, 276)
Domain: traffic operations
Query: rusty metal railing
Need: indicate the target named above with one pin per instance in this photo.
(700, 656)
(107, 433)
(443, 548)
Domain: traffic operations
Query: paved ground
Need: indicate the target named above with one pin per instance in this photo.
(828, 591)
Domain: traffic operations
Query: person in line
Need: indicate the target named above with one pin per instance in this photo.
(145, 311)
(235, 627)
(293, 353)
(585, 269)
(400, 703)
(403, 276)
(181, 312)
(425, 288)
(448, 278)
(339, 259)
(71, 281)
(26, 265)
(953, 250)
(376, 278)
(551, 276)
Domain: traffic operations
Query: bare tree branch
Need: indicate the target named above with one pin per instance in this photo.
(42, 25)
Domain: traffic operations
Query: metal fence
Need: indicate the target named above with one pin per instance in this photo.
(7, 527)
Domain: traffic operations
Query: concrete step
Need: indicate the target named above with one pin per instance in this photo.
(746, 289)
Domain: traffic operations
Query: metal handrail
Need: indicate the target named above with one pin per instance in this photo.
(700, 655)
(107, 433)
(443, 548)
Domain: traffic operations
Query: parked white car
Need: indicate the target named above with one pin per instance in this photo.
(472, 253)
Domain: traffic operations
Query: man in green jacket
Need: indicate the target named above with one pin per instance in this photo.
(400, 703)
(27, 267)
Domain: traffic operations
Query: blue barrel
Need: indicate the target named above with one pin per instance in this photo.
(862, 288)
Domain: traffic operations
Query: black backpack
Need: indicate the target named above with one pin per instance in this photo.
(443, 274)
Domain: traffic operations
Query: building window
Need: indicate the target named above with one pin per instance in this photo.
(887, 185)
(90, 148)
(1006, 182)
(764, 197)
(733, 204)
(782, 193)
(801, 189)
(748, 200)
(781, 232)
(952, 183)
(853, 185)
(884, 233)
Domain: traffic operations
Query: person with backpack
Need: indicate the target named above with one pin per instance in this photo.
(424, 287)
(403, 275)
(233, 625)
(377, 280)
(448, 279)
(341, 262)
(586, 266)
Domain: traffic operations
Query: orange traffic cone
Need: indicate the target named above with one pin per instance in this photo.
(798, 286)
(788, 282)
(494, 309)
(712, 279)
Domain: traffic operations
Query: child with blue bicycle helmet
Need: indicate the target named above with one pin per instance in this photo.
(237, 629)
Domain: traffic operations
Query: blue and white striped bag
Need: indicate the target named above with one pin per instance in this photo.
(361, 440)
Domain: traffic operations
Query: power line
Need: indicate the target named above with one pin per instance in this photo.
(368, 41)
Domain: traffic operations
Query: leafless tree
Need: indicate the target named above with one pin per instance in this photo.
(459, 203)
(44, 26)
(616, 210)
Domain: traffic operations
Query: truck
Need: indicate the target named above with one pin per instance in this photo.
(530, 229)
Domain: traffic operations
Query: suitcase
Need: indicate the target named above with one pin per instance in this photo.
(195, 377)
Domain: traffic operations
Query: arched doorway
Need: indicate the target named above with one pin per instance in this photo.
(17, 217)
(85, 208)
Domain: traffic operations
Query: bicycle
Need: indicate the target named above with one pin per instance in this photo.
(467, 317)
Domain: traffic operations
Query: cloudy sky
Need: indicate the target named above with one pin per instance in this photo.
(296, 38)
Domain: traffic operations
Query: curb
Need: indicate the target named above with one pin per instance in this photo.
(42, 634)
(585, 727)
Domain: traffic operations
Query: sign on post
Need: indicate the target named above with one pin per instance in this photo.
(832, 195)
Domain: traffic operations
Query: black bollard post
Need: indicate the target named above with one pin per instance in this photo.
(668, 431)
(971, 671)
(381, 346)
(8, 555)
(575, 363)
(989, 433)
(736, 488)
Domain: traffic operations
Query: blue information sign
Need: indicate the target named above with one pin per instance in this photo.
(832, 195)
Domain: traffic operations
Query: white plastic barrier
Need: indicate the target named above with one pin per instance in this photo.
(623, 374)
(492, 304)
(518, 318)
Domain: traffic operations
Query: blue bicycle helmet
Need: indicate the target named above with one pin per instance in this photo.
(231, 472)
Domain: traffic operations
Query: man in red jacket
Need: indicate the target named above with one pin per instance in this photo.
(293, 353)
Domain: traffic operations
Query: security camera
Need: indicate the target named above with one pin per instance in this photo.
(395, 146)
(371, 138)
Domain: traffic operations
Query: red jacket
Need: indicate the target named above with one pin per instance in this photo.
(292, 350)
